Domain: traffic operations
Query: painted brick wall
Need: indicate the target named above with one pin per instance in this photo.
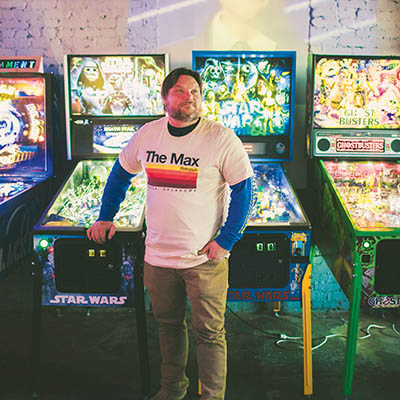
(388, 29)
(355, 27)
(53, 28)
(143, 32)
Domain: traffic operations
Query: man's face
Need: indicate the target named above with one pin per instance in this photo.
(183, 101)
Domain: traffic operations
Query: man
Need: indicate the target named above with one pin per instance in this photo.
(190, 162)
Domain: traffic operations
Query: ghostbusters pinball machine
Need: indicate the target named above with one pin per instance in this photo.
(26, 157)
(354, 146)
(108, 98)
(253, 93)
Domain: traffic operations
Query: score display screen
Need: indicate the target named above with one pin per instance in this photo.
(358, 93)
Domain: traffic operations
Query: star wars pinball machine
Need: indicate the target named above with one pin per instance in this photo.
(26, 155)
(253, 93)
(108, 98)
(354, 145)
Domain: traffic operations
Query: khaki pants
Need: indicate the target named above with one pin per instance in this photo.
(206, 286)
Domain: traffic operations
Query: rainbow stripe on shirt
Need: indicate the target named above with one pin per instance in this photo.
(175, 176)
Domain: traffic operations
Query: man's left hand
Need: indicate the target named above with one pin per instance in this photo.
(214, 251)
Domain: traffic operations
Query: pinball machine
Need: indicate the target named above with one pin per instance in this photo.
(354, 147)
(253, 93)
(108, 98)
(26, 155)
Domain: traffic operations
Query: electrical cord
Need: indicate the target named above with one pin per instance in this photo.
(283, 338)
(300, 346)
(256, 328)
(368, 334)
(325, 338)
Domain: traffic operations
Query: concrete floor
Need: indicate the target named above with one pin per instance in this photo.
(85, 357)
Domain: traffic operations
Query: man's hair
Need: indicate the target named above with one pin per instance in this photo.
(171, 79)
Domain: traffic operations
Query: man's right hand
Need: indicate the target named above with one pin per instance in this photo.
(101, 231)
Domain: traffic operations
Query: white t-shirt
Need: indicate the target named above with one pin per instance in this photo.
(188, 178)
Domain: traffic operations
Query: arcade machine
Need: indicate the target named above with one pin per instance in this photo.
(253, 93)
(354, 137)
(108, 97)
(26, 164)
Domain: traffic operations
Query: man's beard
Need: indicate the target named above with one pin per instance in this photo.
(180, 115)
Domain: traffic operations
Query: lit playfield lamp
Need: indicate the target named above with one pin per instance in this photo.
(44, 243)
(366, 244)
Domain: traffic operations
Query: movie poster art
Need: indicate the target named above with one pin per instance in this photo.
(116, 85)
(22, 124)
(247, 93)
(357, 93)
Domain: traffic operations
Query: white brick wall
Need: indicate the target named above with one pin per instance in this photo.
(388, 27)
(355, 26)
(143, 33)
(54, 28)
(343, 26)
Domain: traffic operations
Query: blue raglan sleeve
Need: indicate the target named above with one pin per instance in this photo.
(240, 208)
(114, 192)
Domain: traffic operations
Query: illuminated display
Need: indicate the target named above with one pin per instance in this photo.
(276, 202)
(17, 64)
(11, 189)
(22, 124)
(111, 139)
(360, 145)
(249, 92)
(352, 92)
(369, 190)
(116, 85)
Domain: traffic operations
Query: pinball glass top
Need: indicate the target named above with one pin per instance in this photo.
(276, 202)
(78, 202)
(369, 190)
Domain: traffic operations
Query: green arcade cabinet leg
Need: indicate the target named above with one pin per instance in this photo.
(352, 330)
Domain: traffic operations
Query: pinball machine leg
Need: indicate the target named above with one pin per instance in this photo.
(307, 333)
(142, 334)
(36, 324)
(352, 329)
